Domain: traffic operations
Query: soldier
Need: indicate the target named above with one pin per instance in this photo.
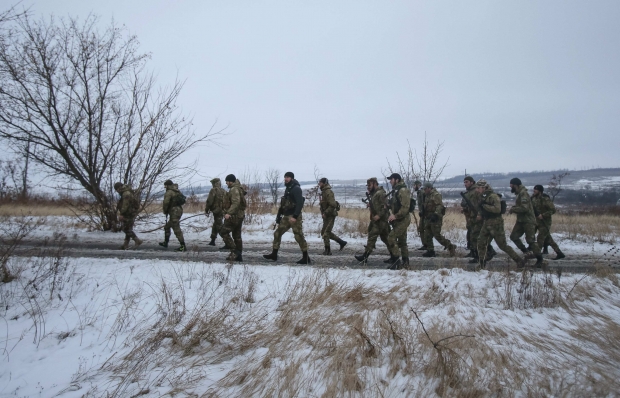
(543, 210)
(289, 216)
(420, 198)
(526, 221)
(379, 213)
(473, 224)
(214, 205)
(329, 211)
(128, 207)
(400, 220)
(172, 206)
(233, 219)
(490, 212)
(434, 210)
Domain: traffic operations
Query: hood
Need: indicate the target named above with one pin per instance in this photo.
(292, 183)
(523, 188)
(400, 185)
(216, 183)
(125, 188)
(237, 184)
(326, 186)
(379, 188)
(173, 187)
(488, 191)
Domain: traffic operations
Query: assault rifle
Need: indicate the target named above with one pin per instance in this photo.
(367, 199)
(469, 204)
(280, 213)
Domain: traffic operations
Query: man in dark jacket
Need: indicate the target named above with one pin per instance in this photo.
(289, 217)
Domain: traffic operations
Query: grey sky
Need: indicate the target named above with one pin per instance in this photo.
(508, 85)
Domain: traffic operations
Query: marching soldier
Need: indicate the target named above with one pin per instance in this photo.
(434, 210)
(400, 220)
(172, 206)
(379, 213)
(543, 210)
(329, 211)
(214, 205)
(490, 213)
(233, 219)
(289, 216)
(417, 184)
(471, 204)
(128, 207)
(526, 221)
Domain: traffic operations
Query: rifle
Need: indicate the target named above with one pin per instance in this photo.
(471, 205)
(280, 213)
(368, 199)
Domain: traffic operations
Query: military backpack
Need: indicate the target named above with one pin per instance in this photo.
(179, 199)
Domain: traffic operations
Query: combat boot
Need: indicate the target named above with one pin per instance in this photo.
(395, 265)
(429, 253)
(363, 258)
(304, 259)
(545, 250)
(238, 257)
(125, 245)
(225, 248)
(137, 241)
(422, 248)
(475, 259)
(491, 250)
(164, 243)
(539, 261)
(558, 256)
(342, 243)
(327, 251)
(235, 256)
(391, 259)
(273, 256)
(181, 248)
(452, 249)
(212, 243)
(405, 263)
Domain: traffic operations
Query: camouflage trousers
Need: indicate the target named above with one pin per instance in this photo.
(217, 225)
(377, 229)
(285, 225)
(174, 223)
(494, 230)
(326, 231)
(544, 237)
(432, 229)
(232, 225)
(128, 223)
(474, 229)
(421, 226)
(529, 230)
(397, 238)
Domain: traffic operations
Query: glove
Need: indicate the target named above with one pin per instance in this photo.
(434, 217)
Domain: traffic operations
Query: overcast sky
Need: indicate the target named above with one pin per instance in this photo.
(508, 85)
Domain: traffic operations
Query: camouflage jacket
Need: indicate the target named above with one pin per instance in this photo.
(378, 204)
(236, 199)
(523, 207)
(543, 205)
(399, 203)
(328, 203)
(293, 200)
(169, 197)
(216, 198)
(490, 206)
(128, 205)
(433, 204)
(474, 198)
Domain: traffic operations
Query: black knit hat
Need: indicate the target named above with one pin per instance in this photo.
(470, 179)
(515, 181)
(230, 178)
(118, 185)
(324, 180)
(289, 174)
(396, 176)
(168, 182)
(539, 188)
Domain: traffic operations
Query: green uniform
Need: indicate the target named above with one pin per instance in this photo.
(128, 206)
(526, 222)
(381, 227)
(290, 207)
(329, 213)
(420, 199)
(399, 205)
(214, 206)
(493, 226)
(174, 213)
(434, 211)
(473, 224)
(545, 207)
(235, 207)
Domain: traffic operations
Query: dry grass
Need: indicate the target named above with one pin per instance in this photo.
(35, 211)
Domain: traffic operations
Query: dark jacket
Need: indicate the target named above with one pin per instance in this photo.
(293, 199)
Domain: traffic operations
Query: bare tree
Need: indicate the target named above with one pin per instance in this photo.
(274, 182)
(314, 194)
(91, 113)
(425, 165)
(555, 184)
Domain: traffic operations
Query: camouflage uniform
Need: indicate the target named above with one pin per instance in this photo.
(420, 199)
(174, 213)
(381, 227)
(526, 222)
(493, 226)
(434, 211)
(399, 205)
(291, 206)
(473, 224)
(128, 207)
(329, 213)
(214, 206)
(545, 207)
(234, 205)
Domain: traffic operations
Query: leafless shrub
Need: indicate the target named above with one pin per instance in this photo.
(274, 182)
(13, 230)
